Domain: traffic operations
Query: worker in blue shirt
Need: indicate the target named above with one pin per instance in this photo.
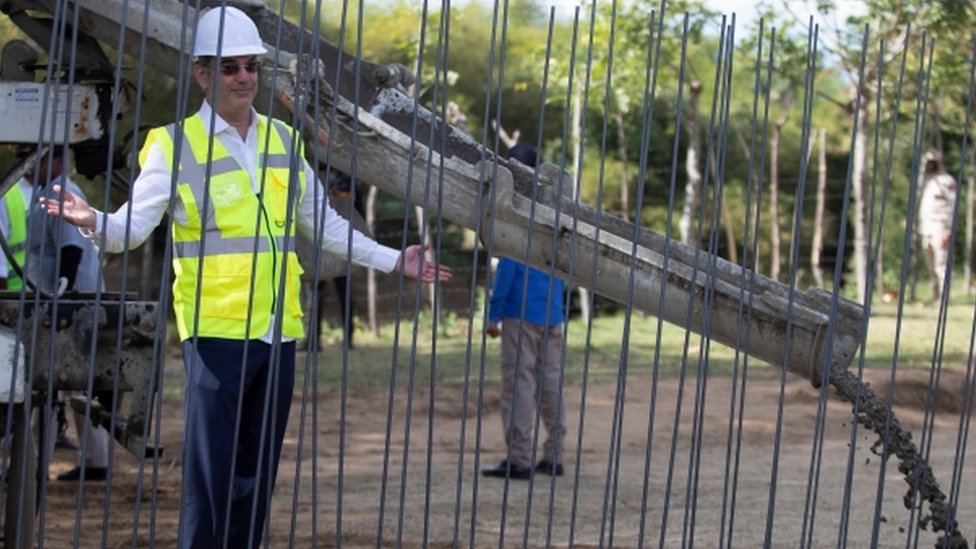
(527, 311)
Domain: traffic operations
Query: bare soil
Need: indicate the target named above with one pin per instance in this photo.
(428, 502)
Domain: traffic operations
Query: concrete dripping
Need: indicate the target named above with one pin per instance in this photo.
(875, 414)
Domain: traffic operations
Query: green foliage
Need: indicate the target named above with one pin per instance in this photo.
(600, 183)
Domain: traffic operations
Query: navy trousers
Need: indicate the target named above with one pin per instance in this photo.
(219, 477)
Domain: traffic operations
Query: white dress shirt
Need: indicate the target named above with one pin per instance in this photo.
(937, 205)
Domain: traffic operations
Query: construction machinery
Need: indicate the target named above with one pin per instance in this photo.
(56, 342)
(363, 114)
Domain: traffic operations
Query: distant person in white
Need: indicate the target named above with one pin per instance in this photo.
(935, 212)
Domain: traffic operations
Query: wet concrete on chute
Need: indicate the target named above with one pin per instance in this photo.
(894, 440)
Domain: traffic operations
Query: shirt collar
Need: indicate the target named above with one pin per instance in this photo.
(221, 125)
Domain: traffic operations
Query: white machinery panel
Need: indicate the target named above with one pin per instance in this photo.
(9, 351)
(22, 105)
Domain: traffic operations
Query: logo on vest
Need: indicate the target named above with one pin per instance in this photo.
(225, 194)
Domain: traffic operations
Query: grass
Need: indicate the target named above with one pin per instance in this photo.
(370, 363)
(919, 326)
(597, 349)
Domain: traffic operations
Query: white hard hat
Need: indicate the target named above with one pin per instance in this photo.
(240, 34)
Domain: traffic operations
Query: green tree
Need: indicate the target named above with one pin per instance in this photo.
(903, 27)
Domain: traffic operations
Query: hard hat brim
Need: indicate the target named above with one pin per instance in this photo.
(239, 51)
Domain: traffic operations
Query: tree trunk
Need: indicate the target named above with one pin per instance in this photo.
(732, 253)
(624, 168)
(374, 325)
(577, 153)
(816, 248)
(693, 184)
(879, 285)
(861, 229)
(423, 234)
(967, 273)
(774, 228)
(916, 240)
(755, 183)
(730, 239)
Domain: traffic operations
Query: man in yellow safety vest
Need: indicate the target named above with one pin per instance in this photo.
(240, 193)
(13, 225)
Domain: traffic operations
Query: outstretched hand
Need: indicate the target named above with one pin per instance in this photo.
(72, 208)
(412, 264)
(493, 329)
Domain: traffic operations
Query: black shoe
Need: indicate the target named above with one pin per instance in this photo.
(503, 469)
(546, 468)
(91, 473)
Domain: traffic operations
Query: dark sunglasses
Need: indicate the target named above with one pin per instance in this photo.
(231, 68)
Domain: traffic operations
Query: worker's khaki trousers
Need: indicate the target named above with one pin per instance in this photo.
(532, 372)
(936, 255)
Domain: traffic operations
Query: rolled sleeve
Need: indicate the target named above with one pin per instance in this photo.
(134, 221)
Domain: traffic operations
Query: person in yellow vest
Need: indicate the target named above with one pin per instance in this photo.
(237, 276)
(51, 251)
(13, 225)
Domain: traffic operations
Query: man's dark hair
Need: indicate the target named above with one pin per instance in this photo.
(524, 154)
(338, 181)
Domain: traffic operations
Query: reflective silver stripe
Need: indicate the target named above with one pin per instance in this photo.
(18, 247)
(277, 161)
(223, 246)
(285, 133)
(195, 173)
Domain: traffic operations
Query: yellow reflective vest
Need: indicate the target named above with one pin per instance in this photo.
(234, 246)
(16, 204)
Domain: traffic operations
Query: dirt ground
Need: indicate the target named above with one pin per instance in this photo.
(438, 507)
